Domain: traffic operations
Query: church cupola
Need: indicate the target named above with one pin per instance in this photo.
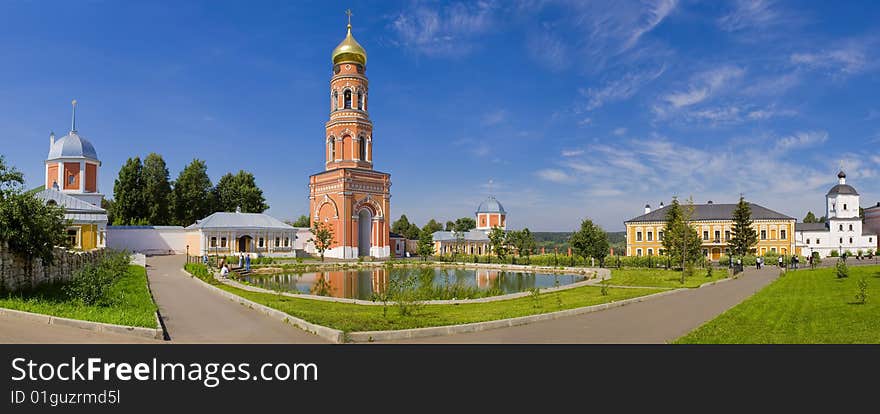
(490, 213)
(72, 165)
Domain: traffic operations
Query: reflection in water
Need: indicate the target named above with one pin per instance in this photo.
(433, 283)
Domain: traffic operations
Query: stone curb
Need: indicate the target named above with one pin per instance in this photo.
(318, 267)
(726, 279)
(372, 336)
(508, 296)
(137, 331)
(333, 335)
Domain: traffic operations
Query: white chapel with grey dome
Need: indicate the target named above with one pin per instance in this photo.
(842, 231)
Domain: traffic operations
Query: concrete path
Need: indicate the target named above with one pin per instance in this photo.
(194, 314)
(659, 320)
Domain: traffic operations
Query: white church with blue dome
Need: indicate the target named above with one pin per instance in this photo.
(72, 183)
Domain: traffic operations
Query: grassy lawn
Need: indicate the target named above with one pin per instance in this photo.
(663, 278)
(351, 318)
(806, 306)
(132, 304)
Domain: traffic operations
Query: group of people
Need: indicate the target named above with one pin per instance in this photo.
(244, 260)
(780, 262)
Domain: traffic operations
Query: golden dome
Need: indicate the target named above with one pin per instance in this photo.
(349, 50)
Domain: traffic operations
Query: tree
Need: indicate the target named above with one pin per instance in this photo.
(193, 197)
(28, 226)
(107, 204)
(426, 245)
(450, 226)
(681, 242)
(432, 227)
(413, 232)
(129, 206)
(156, 190)
(823, 219)
(497, 239)
(810, 218)
(401, 226)
(465, 224)
(302, 221)
(743, 235)
(322, 237)
(239, 191)
(861, 213)
(590, 241)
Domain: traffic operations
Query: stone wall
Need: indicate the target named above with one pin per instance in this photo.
(15, 273)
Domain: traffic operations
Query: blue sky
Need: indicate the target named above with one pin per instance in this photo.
(573, 109)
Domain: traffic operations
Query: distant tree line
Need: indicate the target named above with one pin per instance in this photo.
(144, 194)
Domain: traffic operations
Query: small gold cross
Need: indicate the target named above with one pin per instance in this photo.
(348, 13)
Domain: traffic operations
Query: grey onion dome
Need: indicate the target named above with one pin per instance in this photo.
(491, 205)
(72, 146)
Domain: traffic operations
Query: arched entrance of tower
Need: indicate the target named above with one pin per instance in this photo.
(365, 231)
(244, 244)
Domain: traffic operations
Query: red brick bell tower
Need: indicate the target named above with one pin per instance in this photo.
(349, 195)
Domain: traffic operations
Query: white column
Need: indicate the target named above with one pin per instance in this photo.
(82, 176)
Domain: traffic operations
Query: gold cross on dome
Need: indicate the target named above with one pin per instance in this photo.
(348, 13)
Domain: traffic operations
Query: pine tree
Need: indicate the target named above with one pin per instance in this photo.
(129, 206)
(681, 242)
(743, 235)
(426, 245)
(156, 190)
(193, 197)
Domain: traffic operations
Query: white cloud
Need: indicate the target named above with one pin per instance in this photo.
(619, 131)
(749, 14)
(448, 31)
(553, 175)
(800, 140)
(704, 85)
(549, 50)
(494, 117)
(619, 89)
(655, 13)
(847, 58)
(572, 153)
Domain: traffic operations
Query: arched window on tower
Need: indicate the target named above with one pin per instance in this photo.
(331, 143)
(362, 149)
(361, 100)
(346, 96)
(335, 100)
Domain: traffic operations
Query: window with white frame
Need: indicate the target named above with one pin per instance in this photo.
(261, 242)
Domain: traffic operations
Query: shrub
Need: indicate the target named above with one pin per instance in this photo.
(405, 295)
(842, 270)
(91, 284)
(604, 288)
(709, 272)
(862, 295)
(835, 253)
(535, 294)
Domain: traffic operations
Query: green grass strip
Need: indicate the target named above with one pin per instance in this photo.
(131, 305)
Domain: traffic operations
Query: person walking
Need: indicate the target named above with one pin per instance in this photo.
(779, 262)
(247, 263)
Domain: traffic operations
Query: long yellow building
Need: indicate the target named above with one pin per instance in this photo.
(714, 223)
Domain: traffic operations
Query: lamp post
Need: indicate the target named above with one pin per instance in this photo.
(187, 253)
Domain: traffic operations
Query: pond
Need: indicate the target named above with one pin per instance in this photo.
(430, 283)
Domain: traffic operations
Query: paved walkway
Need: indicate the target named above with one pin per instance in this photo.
(194, 314)
(657, 320)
